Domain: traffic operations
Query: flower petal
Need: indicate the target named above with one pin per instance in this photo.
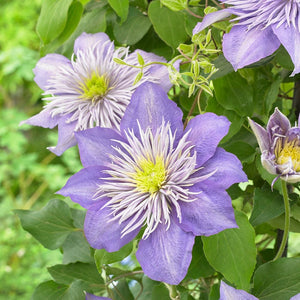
(101, 232)
(278, 123)
(261, 136)
(229, 170)
(82, 186)
(93, 297)
(166, 254)
(96, 145)
(150, 105)
(290, 39)
(43, 119)
(66, 138)
(206, 132)
(47, 67)
(89, 40)
(228, 292)
(243, 47)
(210, 19)
(209, 214)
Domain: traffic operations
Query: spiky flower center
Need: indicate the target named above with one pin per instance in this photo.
(94, 87)
(288, 151)
(151, 175)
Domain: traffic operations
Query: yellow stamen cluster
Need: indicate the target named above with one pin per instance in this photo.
(94, 87)
(150, 176)
(286, 151)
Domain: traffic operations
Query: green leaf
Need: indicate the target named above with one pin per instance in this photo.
(284, 59)
(53, 19)
(121, 291)
(160, 292)
(133, 29)
(277, 280)
(224, 67)
(234, 93)
(50, 225)
(51, 290)
(74, 16)
(120, 7)
(103, 257)
(279, 223)
(233, 252)
(175, 5)
(76, 248)
(169, 25)
(267, 205)
(66, 274)
(242, 150)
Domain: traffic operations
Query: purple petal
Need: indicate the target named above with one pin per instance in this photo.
(96, 145)
(261, 135)
(89, 40)
(66, 138)
(210, 19)
(227, 292)
(47, 67)
(101, 232)
(209, 214)
(150, 105)
(166, 254)
(296, 297)
(243, 47)
(278, 123)
(228, 169)
(82, 186)
(290, 39)
(43, 119)
(93, 297)
(206, 132)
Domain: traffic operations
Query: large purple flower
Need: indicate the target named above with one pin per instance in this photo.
(91, 89)
(157, 178)
(263, 25)
(280, 146)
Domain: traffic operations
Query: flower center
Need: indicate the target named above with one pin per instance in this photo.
(95, 87)
(289, 152)
(150, 176)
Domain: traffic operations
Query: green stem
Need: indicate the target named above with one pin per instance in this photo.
(286, 221)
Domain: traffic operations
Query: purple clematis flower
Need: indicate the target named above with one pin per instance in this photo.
(280, 146)
(91, 89)
(155, 177)
(263, 25)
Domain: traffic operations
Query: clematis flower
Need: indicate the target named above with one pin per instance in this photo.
(262, 26)
(155, 178)
(280, 146)
(91, 89)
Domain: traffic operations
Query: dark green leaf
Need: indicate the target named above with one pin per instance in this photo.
(277, 280)
(233, 252)
(133, 29)
(160, 292)
(53, 19)
(51, 225)
(279, 223)
(224, 67)
(167, 24)
(121, 291)
(120, 7)
(284, 59)
(234, 93)
(267, 205)
(242, 150)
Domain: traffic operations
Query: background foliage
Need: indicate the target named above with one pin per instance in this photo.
(30, 175)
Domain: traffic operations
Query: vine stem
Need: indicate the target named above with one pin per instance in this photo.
(286, 221)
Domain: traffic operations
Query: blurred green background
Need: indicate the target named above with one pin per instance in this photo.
(29, 173)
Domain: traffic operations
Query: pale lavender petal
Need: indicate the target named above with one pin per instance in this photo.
(296, 297)
(89, 40)
(290, 39)
(210, 19)
(261, 135)
(278, 123)
(268, 162)
(149, 106)
(66, 138)
(103, 232)
(206, 132)
(82, 186)
(47, 67)
(166, 254)
(209, 214)
(228, 170)
(96, 144)
(228, 292)
(43, 119)
(93, 297)
(243, 47)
